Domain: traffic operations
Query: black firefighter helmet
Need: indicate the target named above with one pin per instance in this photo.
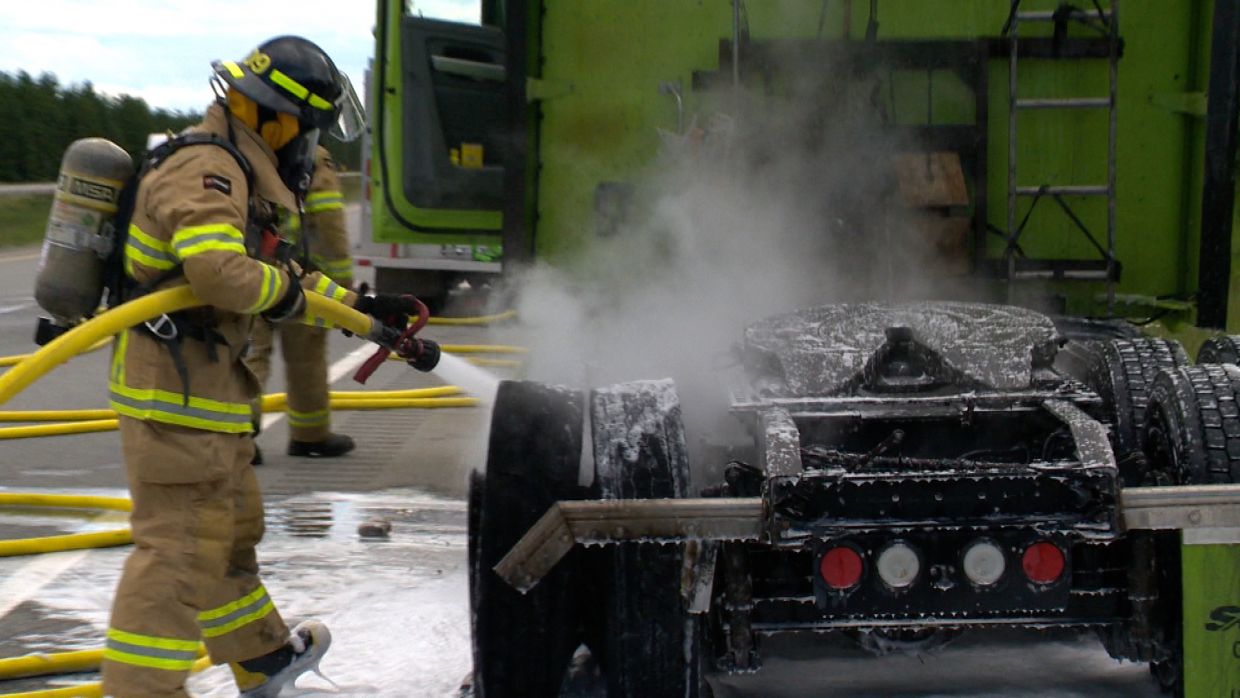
(292, 75)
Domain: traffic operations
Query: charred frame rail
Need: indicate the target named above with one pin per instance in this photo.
(1210, 512)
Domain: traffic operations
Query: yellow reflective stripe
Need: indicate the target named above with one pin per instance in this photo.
(299, 90)
(147, 251)
(326, 206)
(118, 358)
(187, 242)
(149, 651)
(327, 287)
(166, 406)
(227, 618)
(337, 269)
(331, 194)
(269, 291)
(234, 69)
(308, 419)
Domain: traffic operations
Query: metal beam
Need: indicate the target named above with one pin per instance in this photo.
(614, 520)
(1219, 186)
(1210, 510)
(1188, 507)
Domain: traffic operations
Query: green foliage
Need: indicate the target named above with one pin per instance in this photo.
(39, 118)
(23, 218)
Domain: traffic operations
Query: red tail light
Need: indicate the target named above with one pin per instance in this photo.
(841, 568)
(1043, 562)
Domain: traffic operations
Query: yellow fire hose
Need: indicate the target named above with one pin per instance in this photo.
(84, 426)
(272, 402)
(480, 320)
(135, 312)
(66, 663)
(72, 541)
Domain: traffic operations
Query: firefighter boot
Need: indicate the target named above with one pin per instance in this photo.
(334, 445)
(263, 677)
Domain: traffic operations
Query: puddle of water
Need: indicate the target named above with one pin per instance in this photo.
(397, 607)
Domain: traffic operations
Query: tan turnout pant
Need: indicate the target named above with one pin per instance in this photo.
(304, 349)
(193, 573)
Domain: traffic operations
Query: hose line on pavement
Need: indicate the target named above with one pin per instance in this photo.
(68, 663)
(479, 320)
(272, 402)
(70, 541)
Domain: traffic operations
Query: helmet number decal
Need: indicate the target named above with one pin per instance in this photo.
(258, 61)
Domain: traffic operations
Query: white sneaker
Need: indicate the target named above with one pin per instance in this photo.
(309, 642)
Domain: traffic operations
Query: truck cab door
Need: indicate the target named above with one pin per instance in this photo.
(440, 136)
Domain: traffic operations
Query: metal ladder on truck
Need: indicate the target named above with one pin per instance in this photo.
(1105, 20)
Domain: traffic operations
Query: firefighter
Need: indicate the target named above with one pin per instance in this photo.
(304, 348)
(183, 392)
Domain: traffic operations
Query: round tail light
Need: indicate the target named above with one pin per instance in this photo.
(898, 565)
(841, 567)
(984, 563)
(1043, 562)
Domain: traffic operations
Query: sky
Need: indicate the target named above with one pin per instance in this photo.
(161, 50)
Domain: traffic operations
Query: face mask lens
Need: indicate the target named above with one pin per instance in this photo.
(352, 118)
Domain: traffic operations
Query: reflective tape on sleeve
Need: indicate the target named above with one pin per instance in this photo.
(187, 242)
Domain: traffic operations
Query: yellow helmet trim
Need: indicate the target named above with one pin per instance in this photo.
(298, 90)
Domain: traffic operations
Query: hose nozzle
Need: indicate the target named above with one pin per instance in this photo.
(424, 355)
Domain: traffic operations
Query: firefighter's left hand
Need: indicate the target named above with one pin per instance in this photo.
(391, 309)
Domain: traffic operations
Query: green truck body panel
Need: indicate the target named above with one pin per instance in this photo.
(602, 63)
(1211, 575)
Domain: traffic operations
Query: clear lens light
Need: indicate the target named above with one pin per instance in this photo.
(898, 565)
(984, 563)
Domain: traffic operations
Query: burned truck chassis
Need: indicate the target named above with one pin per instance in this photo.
(948, 468)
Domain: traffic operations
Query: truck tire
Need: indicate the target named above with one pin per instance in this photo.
(1192, 437)
(650, 644)
(1223, 349)
(1121, 374)
(522, 643)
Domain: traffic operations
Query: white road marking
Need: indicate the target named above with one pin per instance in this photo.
(28, 580)
(337, 371)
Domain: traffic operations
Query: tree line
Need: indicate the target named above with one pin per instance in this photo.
(39, 118)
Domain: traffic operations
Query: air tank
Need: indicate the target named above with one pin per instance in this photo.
(79, 235)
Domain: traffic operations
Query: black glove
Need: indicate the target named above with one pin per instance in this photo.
(292, 305)
(389, 308)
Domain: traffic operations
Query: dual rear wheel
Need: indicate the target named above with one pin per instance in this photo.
(620, 602)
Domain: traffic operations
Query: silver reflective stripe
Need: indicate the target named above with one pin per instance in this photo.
(148, 251)
(155, 652)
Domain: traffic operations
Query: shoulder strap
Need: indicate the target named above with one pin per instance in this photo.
(156, 157)
(120, 287)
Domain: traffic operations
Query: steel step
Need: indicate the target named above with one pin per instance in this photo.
(1066, 189)
(1064, 103)
(1049, 15)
